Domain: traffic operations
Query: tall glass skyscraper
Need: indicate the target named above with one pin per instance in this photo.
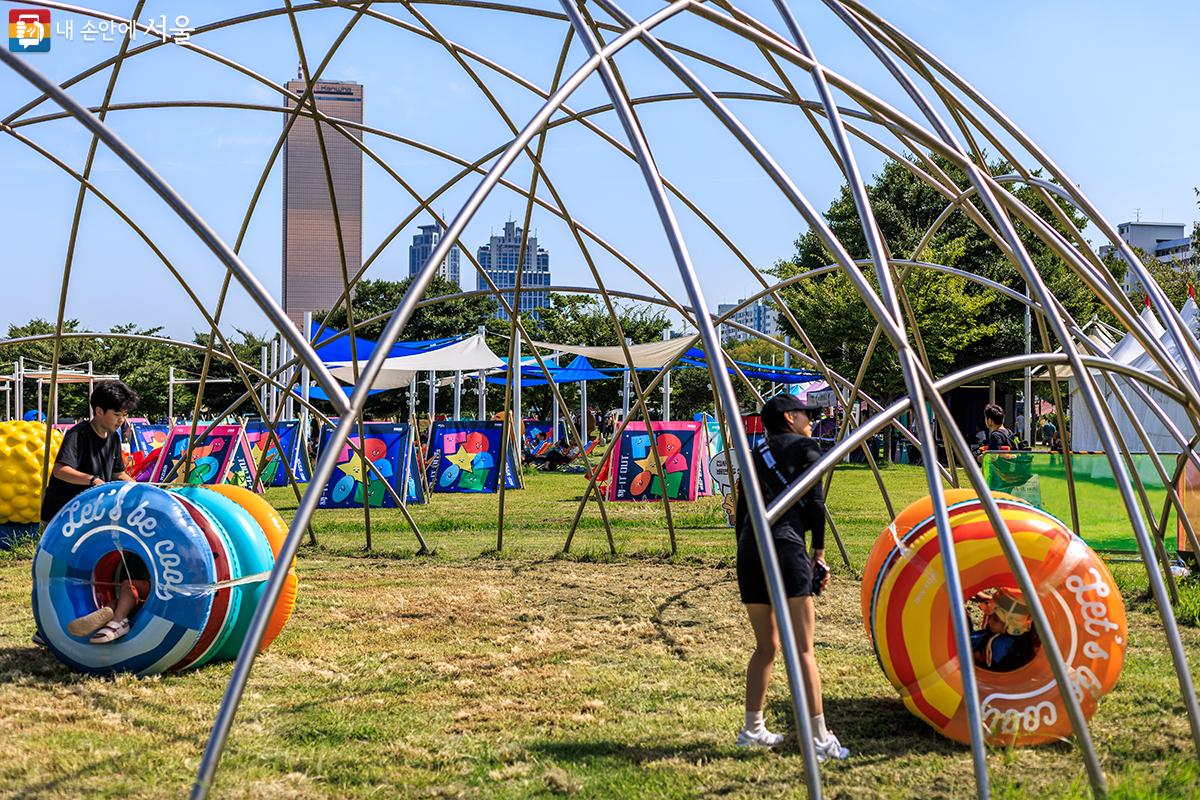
(423, 244)
(312, 269)
(499, 259)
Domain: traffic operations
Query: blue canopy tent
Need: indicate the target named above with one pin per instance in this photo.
(695, 357)
(317, 393)
(333, 350)
(579, 370)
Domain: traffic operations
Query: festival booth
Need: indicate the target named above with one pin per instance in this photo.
(389, 447)
(463, 457)
(285, 442)
(1084, 433)
(632, 472)
(223, 456)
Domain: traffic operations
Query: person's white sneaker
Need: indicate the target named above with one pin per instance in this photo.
(830, 748)
(763, 738)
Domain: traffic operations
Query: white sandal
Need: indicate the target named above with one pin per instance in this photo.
(110, 632)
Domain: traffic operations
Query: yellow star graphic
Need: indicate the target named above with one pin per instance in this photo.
(353, 467)
(463, 459)
(647, 463)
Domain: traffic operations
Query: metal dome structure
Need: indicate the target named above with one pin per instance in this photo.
(603, 46)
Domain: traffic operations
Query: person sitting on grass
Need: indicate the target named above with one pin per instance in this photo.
(90, 455)
(562, 455)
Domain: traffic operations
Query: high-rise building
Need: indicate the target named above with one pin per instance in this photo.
(498, 258)
(312, 267)
(423, 244)
(1167, 242)
(759, 315)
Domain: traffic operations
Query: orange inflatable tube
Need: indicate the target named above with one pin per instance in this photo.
(907, 612)
(276, 531)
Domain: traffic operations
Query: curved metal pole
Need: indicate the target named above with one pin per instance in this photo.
(1183, 339)
(310, 82)
(780, 505)
(187, 289)
(938, 145)
(177, 204)
(509, 425)
(909, 367)
(1091, 399)
(754, 498)
(262, 180)
(406, 27)
(72, 239)
(391, 332)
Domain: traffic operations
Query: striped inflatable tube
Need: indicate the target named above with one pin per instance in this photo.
(207, 558)
(907, 613)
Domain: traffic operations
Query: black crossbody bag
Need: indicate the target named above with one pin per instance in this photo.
(819, 570)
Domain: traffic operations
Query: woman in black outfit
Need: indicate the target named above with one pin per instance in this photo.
(786, 453)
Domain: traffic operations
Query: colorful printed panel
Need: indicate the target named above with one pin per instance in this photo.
(242, 465)
(210, 458)
(632, 464)
(386, 445)
(464, 455)
(285, 442)
(147, 438)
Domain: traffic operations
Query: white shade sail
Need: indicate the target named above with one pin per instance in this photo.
(469, 355)
(648, 355)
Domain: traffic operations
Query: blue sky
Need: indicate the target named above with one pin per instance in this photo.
(1102, 86)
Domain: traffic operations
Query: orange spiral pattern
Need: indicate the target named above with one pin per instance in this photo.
(907, 611)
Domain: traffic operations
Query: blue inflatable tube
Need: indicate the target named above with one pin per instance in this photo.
(143, 523)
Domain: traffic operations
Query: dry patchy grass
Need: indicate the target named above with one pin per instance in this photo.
(524, 675)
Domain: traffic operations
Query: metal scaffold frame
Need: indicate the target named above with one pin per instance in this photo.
(951, 124)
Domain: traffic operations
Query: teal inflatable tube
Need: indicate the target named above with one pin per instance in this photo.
(253, 555)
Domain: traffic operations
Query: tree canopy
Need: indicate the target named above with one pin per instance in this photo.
(960, 321)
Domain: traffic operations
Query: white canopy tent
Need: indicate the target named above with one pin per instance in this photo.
(1104, 338)
(1084, 434)
(644, 356)
(468, 355)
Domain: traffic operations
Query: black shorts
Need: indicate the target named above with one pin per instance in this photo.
(793, 563)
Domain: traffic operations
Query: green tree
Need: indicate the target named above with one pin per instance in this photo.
(960, 321)
(1176, 278)
(142, 365)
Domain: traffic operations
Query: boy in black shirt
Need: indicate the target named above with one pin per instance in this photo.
(90, 455)
(91, 451)
(998, 436)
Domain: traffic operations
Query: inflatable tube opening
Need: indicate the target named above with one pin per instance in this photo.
(114, 567)
(1002, 634)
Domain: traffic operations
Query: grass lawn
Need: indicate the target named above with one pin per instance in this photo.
(472, 673)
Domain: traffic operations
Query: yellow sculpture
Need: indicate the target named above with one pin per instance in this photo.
(22, 446)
